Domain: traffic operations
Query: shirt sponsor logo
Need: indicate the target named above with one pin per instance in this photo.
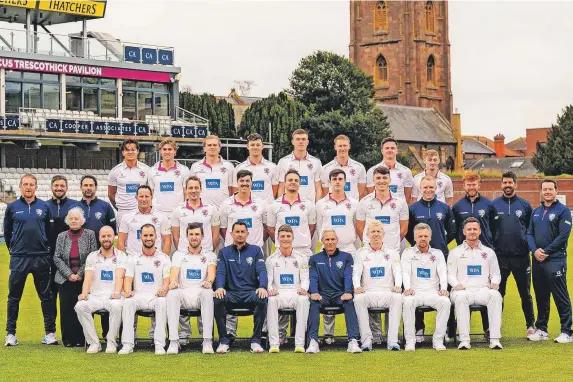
(131, 188)
(423, 273)
(258, 185)
(147, 278)
(338, 220)
(193, 274)
(166, 187)
(106, 276)
(393, 188)
(213, 184)
(247, 221)
(287, 279)
(474, 270)
(139, 234)
(304, 180)
(383, 219)
(347, 187)
(293, 221)
(377, 272)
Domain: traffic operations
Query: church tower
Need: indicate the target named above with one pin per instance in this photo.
(404, 46)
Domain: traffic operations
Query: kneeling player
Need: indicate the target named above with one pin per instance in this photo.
(287, 271)
(191, 287)
(425, 284)
(473, 273)
(377, 279)
(148, 271)
(102, 290)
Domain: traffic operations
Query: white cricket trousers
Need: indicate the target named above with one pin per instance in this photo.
(287, 300)
(442, 305)
(144, 302)
(190, 299)
(85, 309)
(462, 299)
(390, 300)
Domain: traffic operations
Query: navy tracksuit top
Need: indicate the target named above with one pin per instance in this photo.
(513, 215)
(439, 217)
(241, 269)
(483, 210)
(549, 230)
(27, 227)
(331, 275)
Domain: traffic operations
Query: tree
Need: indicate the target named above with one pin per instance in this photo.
(219, 112)
(556, 157)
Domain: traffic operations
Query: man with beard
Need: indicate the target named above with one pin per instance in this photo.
(148, 272)
(102, 290)
(514, 215)
(98, 212)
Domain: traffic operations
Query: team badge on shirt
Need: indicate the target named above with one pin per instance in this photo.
(386, 257)
(254, 208)
(399, 175)
(348, 206)
(267, 170)
(142, 174)
(177, 172)
(203, 259)
(551, 217)
(352, 172)
(484, 255)
(440, 184)
(518, 213)
(223, 170)
(154, 220)
(393, 205)
(295, 263)
(98, 215)
(39, 212)
(339, 264)
(301, 206)
(481, 213)
(432, 258)
(249, 260)
(309, 165)
(157, 263)
(205, 212)
(439, 215)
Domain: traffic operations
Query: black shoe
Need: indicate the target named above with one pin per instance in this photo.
(68, 345)
(80, 345)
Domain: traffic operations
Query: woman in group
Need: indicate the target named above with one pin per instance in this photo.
(72, 248)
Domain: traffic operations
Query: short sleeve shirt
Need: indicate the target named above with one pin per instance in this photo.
(355, 175)
(444, 186)
(103, 268)
(132, 223)
(299, 216)
(205, 214)
(338, 216)
(193, 268)
(389, 213)
(168, 186)
(308, 167)
(215, 180)
(400, 178)
(148, 272)
(127, 179)
(265, 176)
(253, 214)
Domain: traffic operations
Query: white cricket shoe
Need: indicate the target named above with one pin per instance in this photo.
(94, 348)
(495, 344)
(207, 347)
(366, 345)
(111, 347)
(50, 339)
(126, 349)
(438, 345)
(256, 348)
(464, 345)
(159, 350)
(410, 346)
(530, 332)
(563, 338)
(11, 340)
(539, 335)
(222, 349)
(313, 347)
(173, 347)
(353, 347)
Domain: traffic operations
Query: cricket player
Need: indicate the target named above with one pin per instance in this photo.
(287, 271)
(102, 291)
(125, 178)
(191, 287)
(377, 280)
(331, 285)
(425, 278)
(355, 173)
(241, 281)
(444, 186)
(148, 272)
(547, 236)
(473, 273)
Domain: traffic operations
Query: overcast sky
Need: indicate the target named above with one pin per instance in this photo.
(511, 61)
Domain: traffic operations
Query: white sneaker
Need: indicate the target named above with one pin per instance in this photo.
(126, 349)
(50, 339)
(410, 346)
(563, 338)
(11, 340)
(208, 347)
(464, 345)
(299, 349)
(313, 347)
(353, 347)
(274, 349)
(159, 350)
(94, 348)
(366, 346)
(256, 348)
(530, 331)
(222, 349)
(329, 340)
(393, 347)
(111, 347)
(495, 344)
(420, 336)
(438, 345)
(539, 335)
(173, 347)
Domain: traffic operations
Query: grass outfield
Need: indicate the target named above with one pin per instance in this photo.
(520, 360)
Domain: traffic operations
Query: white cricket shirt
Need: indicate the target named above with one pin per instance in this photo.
(127, 180)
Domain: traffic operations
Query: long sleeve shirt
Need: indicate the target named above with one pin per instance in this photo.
(331, 274)
(514, 215)
(241, 269)
(439, 217)
(483, 210)
(98, 213)
(473, 268)
(549, 229)
(377, 270)
(27, 228)
(424, 271)
(288, 273)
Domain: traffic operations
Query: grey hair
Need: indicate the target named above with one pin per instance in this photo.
(76, 210)
(327, 231)
(422, 226)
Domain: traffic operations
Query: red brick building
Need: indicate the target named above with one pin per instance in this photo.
(535, 137)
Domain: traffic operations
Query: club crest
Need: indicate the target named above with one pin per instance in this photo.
(157, 263)
(142, 174)
(205, 212)
(439, 215)
(302, 207)
(203, 259)
(551, 217)
(399, 175)
(154, 220)
(267, 170)
(352, 172)
(393, 205)
(98, 215)
(254, 208)
(440, 184)
(518, 213)
(484, 255)
(339, 264)
(249, 260)
(432, 258)
(39, 212)
(310, 166)
(386, 257)
(177, 172)
(481, 213)
(295, 264)
(348, 206)
(223, 170)
(114, 260)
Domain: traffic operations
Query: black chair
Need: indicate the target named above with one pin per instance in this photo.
(419, 309)
(473, 308)
(385, 312)
(283, 312)
(143, 313)
(99, 313)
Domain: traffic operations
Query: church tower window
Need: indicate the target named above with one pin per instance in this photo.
(381, 17)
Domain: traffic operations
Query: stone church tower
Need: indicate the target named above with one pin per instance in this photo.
(404, 46)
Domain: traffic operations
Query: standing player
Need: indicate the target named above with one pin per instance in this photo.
(514, 215)
(27, 226)
(425, 284)
(102, 290)
(148, 271)
(167, 179)
(355, 186)
(98, 212)
(377, 280)
(216, 174)
(307, 166)
(129, 238)
(191, 287)
(124, 179)
(298, 213)
(287, 271)
(400, 176)
(547, 237)
(444, 186)
(473, 273)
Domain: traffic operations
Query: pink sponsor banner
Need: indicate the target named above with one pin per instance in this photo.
(82, 70)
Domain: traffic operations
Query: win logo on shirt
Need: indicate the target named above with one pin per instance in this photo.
(423, 273)
(193, 274)
(147, 278)
(258, 185)
(287, 279)
(106, 276)
(338, 220)
(347, 187)
(247, 221)
(377, 272)
(474, 270)
(166, 187)
(131, 188)
(139, 234)
(293, 221)
(383, 219)
(213, 183)
(304, 180)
